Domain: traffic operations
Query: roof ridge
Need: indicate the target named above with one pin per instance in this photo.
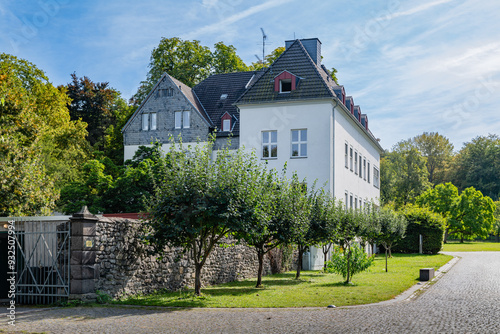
(315, 66)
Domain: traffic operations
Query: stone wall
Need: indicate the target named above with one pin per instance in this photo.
(123, 266)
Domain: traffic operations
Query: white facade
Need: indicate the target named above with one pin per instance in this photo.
(329, 128)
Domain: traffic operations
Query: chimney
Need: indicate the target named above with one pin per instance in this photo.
(312, 46)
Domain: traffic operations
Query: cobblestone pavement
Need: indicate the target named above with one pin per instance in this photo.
(464, 300)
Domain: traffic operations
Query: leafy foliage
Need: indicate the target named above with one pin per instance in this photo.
(438, 152)
(200, 201)
(189, 62)
(392, 229)
(404, 174)
(473, 215)
(421, 221)
(40, 147)
(477, 165)
(349, 263)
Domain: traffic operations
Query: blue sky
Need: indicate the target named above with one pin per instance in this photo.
(412, 66)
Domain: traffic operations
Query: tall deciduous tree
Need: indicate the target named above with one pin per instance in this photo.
(442, 199)
(473, 215)
(477, 165)
(438, 151)
(40, 147)
(404, 175)
(225, 59)
(187, 61)
(92, 102)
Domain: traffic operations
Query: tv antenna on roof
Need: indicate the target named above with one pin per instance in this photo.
(264, 37)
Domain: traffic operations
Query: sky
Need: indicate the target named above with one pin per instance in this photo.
(412, 66)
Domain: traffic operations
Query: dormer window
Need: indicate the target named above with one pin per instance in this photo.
(226, 125)
(226, 122)
(285, 82)
(285, 86)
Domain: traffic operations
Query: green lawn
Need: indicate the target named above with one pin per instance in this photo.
(314, 289)
(471, 247)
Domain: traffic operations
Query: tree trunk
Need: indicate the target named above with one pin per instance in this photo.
(446, 235)
(348, 264)
(299, 264)
(260, 256)
(385, 258)
(325, 253)
(197, 279)
(462, 238)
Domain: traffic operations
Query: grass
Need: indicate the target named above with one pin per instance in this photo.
(313, 289)
(471, 247)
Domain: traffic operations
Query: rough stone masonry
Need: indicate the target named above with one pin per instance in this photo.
(124, 267)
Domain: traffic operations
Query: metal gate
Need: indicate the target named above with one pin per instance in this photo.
(42, 261)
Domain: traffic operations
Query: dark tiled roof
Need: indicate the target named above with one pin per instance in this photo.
(314, 83)
(210, 90)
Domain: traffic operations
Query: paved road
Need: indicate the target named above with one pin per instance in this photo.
(464, 300)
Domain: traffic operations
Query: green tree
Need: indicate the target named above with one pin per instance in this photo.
(496, 225)
(199, 201)
(442, 199)
(392, 229)
(92, 103)
(225, 59)
(438, 152)
(349, 263)
(90, 190)
(477, 165)
(324, 226)
(404, 174)
(268, 60)
(187, 61)
(473, 215)
(40, 147)
(350, 227)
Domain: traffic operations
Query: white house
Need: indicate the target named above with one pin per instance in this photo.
(292, 111)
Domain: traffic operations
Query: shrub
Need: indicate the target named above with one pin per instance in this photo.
(421, 221)
(359, 261)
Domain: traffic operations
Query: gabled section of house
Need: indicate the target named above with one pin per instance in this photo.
(170, 109)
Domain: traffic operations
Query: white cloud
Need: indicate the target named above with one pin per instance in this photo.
(223, 24)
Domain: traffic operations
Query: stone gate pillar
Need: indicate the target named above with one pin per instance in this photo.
(83, 255)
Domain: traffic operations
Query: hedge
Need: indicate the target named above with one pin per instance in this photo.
(421, 221)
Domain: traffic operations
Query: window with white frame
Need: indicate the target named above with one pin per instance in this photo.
(360, 203)
(346, 199)
(368, 170)
(346, 155)
(269, 144)
(356, 163)
(185, 119)
(355, 202)
(178, 119)
(145, 122)
(350, 157)
(376, 177)
(350, 201)
(226, 125)
(360, 167)
(299, 143)
(364, 169)
(153, 121)
(182, 119)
